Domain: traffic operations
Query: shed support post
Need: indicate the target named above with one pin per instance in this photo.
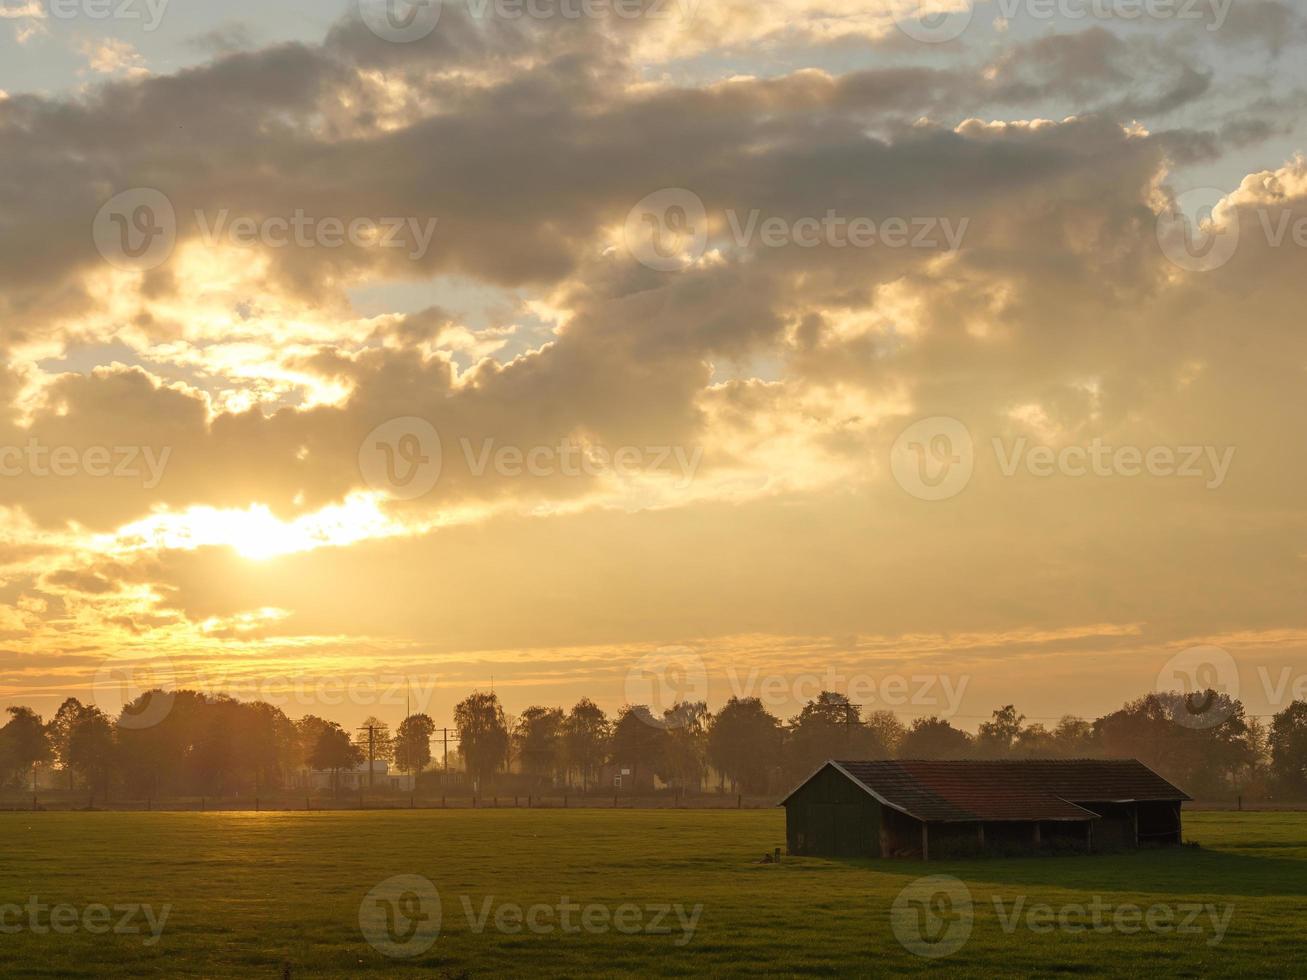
(925, 841)
(980, 835)
(1089, 836)
(1038, 839)
(1134, 821)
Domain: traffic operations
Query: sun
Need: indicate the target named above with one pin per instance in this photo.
(256, 533)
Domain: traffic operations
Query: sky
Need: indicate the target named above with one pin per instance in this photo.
(944, 354)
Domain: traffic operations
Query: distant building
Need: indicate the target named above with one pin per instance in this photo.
(356, 778)
(922, 809)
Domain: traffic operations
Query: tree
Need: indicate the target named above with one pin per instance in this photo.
(887, 728)
(92, 750)
(25, 740)
(413, 743)
(638, 742)
(586, 731)
(482, 736)
(744, 743)
(538, 738)
(829, 728)
(334, 751)
(1288, 742)
(59, 729)
(934, 738)
(683, 762)
(375, 742)
(996, 737)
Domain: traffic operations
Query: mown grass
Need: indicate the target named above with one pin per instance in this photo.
(252, 892)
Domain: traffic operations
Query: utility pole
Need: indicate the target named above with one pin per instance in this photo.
(372, 751)
(446, 734)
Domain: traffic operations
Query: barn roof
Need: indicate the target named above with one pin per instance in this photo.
(1019, 789)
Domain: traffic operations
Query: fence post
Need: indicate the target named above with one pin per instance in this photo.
(256, 804)
(204, 804)
(739, 801)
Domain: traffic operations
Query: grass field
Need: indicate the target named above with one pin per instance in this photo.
(249, 893)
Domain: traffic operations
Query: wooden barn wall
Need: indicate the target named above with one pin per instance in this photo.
(830, 816)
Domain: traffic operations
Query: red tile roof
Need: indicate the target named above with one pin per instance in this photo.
(1024, 789)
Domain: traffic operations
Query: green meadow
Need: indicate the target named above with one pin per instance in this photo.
(624, 893)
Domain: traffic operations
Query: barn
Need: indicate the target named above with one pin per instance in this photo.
(925, 809)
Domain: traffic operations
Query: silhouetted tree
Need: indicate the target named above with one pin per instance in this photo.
(997, 736)
(537, 737)
(92, 750)
(744, 743)
(638, 743)
(334, 752)
(59, 729)
(829, 728)
(482, 736)
(684, 757)
(413, 743)
(585, 731)
(1288, 744)
(25, 743)
(934, 738)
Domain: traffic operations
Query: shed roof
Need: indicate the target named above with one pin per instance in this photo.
(1019, 789)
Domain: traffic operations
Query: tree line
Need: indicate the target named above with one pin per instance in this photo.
(200, 744)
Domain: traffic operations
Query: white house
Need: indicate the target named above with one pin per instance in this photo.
(357, 778)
